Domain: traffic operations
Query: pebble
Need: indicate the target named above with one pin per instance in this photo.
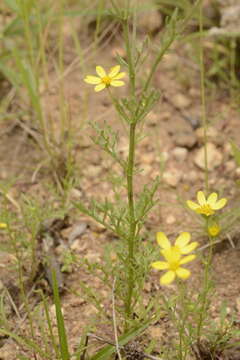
(230, 166)
(179, 153)
(237, 171)
(215, 157)
(170, 220)
(172, 177)
(148, 158)
(185, 138)
(93, 170)
(212, 135)
(150, 20)
(181, 101)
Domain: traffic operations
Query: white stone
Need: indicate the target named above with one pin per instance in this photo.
(214, 157)
(172, 177)
(180, 153)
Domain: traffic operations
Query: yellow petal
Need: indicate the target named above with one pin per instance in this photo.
(192, 205)
(183, 273)
(211, 200)
(100, 71)
(187, 259)
(219, 204)
(3, 225)
(189, 248)
(163, 240)
(183, 239)
(201, 198)
(114, 71)
(100, 87)
(117, 83)
(119, 76)
(167, 278)
(92, 79)
(172, 255)
(160, 265)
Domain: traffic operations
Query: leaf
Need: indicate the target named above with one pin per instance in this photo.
(108, 350)
(60, 320)
(12, 76)
(236, 152)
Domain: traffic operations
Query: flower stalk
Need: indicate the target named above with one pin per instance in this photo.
(132, 220)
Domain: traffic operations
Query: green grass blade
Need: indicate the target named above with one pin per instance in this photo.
(60, 321)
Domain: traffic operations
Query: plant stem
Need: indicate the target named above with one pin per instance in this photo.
(132, 220)
(203, 97)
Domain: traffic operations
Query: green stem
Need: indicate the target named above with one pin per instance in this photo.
(204, 298)
(132, 220)
(203, 97)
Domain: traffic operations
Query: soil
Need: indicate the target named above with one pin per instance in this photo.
(174, 122)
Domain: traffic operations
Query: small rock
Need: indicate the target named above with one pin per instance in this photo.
(185, 138)
(212, 135)
(237, 171)
(214, 157)
(165, 115)
(230, 166)
(180, 153)
(150, 20)
(148, 158)
(172, 177)
(170, 220)
(191, 176)
(93, 170)
(181, 101)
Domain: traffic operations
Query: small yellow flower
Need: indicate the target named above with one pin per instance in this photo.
(214, 229)
(174, 258)
(207, 206)
(181, 244)
(104, 80)
(3, 225)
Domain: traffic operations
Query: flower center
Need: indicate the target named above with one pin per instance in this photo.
(205, 210)
(106, 80)
(174, 265)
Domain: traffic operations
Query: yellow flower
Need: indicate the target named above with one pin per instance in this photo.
(214, 229)
(181, 244)
(173, 263)
(173, 257)
(207, 206)
(104, 80)
(3, 225)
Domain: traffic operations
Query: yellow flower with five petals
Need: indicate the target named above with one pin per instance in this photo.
(207, 206)
(173, 257)
(104, 80)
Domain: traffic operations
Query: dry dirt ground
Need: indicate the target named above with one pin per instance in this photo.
(173, 141)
